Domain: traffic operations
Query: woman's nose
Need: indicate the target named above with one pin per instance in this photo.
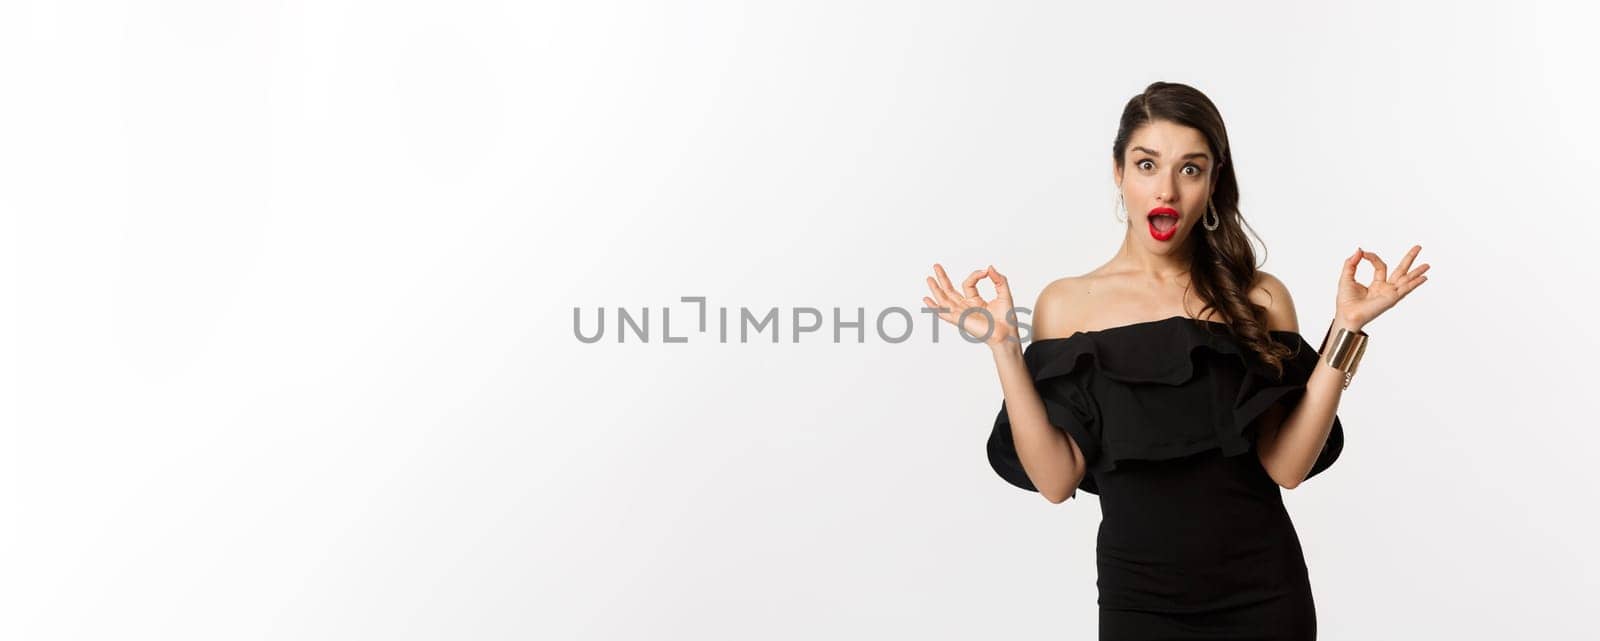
(1165, 192)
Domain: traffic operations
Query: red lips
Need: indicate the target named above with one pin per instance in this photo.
(1170, 231)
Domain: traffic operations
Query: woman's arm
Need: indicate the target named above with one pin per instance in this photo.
(1052, 461)
(1288, 449)
(1048, 455)
(1289, 445)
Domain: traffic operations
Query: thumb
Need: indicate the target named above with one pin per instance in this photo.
(1350, 265)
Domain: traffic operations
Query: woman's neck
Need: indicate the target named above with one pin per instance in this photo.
(1135, 261)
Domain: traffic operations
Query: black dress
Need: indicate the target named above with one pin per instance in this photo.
(1194, 541)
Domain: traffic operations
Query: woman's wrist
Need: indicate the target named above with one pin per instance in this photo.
(1333, 332)
(1007, 348)
(1347, 323)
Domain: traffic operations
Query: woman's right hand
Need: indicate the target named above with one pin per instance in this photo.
(976, 323)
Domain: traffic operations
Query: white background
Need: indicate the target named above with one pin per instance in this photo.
(289, 289)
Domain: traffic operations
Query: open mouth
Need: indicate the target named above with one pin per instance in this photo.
(1163, 223)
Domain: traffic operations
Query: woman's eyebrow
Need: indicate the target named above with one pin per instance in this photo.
(1157, 154)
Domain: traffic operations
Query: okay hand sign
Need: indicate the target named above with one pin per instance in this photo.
(999, 325)
(1359, 304)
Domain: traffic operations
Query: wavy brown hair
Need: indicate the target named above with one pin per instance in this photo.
(1223, 266)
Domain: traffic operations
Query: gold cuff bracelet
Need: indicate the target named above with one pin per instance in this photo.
(1345, 353)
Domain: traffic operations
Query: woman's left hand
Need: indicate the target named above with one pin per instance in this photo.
(1358, 304)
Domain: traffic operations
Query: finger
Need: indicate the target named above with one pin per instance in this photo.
(944, 282)
(1350, 265)
(1411, 280)
(1381, 269)
(939, 295)
(1001, 287)
(931, 304)
(1411, 285)
(1405, 263)
(970, 285)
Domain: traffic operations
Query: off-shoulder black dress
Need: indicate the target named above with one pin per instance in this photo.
(1194, 541)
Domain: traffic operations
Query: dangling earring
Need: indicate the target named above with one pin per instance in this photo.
(1214, 220)
(1122, 209)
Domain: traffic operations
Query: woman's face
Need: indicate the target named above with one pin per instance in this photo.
(1166, 170)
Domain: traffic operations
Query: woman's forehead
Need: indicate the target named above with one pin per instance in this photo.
(1163, 138)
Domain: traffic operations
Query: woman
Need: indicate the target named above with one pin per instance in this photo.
(1173, 382)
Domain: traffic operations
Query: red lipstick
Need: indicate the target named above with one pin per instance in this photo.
(1162, 212)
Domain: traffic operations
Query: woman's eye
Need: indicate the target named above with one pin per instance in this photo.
(1146, 165)
(1196, 169)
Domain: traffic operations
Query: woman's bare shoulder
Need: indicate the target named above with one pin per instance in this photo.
(1271, 293)
(1058, 312)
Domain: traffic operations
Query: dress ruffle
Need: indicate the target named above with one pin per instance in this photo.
(1157, 390)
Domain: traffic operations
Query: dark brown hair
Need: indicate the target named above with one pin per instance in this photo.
(1223, 267)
